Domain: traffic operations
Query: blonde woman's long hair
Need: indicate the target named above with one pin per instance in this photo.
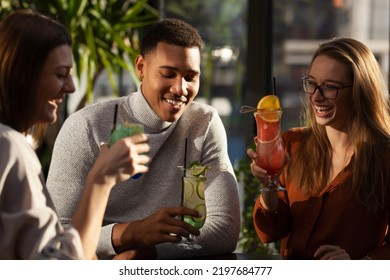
(369, 131)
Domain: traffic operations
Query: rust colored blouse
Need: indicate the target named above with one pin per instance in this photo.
(334, 217)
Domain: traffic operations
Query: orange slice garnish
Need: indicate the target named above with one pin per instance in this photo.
(267, 118)
(269, 102)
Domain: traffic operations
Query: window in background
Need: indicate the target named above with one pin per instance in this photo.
(299, 26)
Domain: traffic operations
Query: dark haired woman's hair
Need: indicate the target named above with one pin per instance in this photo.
(171, 31)
(26, 39)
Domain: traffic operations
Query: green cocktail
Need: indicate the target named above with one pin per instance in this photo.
(124, 130)
(193, 196)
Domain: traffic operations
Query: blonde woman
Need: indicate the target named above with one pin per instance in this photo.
(337, 201)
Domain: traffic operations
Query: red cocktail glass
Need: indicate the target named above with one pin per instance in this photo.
(271, 155)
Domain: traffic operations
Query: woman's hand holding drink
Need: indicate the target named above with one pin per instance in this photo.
(125, 130)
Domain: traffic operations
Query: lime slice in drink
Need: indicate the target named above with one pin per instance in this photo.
(200, 189)
(201, 208)
(198, 170)
(188, 189)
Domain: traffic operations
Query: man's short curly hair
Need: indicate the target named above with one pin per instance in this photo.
(171, 31)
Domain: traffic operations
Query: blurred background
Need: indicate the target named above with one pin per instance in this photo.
(247, 44)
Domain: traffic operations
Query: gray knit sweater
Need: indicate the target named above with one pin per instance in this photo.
(77, 147)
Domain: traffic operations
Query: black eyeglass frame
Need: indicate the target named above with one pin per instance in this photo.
(321, 88)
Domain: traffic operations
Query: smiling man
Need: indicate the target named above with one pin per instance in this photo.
(142, 214)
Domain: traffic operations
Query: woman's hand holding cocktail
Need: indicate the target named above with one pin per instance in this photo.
(269, 200)
(258, 172)
(112, 166)
(124, 159)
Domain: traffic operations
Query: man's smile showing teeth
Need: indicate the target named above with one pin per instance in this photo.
(175, 102)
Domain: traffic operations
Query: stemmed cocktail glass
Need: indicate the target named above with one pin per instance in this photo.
(271, 154)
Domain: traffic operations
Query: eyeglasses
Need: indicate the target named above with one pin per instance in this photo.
(327, 91)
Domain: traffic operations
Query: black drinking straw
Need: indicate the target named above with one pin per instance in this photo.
(113, 124)
(274, 91)
(184, 174)
(115, 113)
(185, 156)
